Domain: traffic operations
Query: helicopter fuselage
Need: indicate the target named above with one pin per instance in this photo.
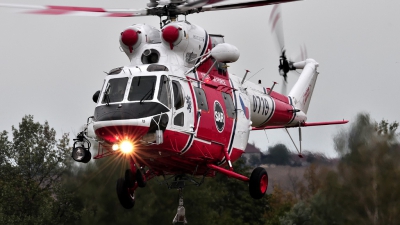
(180, 109)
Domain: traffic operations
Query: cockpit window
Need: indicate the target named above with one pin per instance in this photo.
(142, 88)
(164, 92)
(115, 90)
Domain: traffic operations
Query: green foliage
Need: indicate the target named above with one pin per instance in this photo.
(364, 188)
(300, 214)
(278, 154)
(218, 200)
(254, 161)
(31, 166)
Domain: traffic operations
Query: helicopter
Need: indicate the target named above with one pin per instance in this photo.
(175, 111)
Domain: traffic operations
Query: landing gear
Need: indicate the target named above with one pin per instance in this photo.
(140, 179)
(126, 187)
(258, 183)
(130, 178)
(126, 196)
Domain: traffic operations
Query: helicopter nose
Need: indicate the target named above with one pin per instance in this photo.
(133, 129)
(117, 133)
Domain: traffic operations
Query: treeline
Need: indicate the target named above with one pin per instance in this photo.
(40, 185)
(279, 154)
(363, 188)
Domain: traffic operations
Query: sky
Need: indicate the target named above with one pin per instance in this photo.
(52, 65)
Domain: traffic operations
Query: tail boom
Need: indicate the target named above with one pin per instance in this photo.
(303, 89)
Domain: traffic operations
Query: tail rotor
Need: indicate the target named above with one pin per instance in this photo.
(285, 64)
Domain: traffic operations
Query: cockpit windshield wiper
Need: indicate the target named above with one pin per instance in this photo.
(148, 94)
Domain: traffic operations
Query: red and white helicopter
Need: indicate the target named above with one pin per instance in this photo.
(175, 109)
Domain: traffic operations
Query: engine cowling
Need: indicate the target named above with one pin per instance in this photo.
(172, 35)
(133, 37)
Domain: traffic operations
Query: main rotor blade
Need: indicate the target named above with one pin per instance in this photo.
(244, 5)
(76, 10)
(197, 4)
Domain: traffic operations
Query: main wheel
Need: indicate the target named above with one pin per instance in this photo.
(258, 183)
(140, 178)
(125, 196)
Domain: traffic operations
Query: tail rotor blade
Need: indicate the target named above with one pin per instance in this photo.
(305, 52)
(275, 21)
(284, 86)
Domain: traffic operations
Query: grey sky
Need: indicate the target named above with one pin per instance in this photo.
(52, 65)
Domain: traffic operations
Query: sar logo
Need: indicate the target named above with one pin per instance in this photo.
(219, 116)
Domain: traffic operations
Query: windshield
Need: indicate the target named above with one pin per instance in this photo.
(142, 88)
(115, 90)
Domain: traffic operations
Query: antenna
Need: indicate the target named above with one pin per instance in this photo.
(247, 71)
(253, 75)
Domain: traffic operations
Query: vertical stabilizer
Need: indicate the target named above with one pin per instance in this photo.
(303, 89)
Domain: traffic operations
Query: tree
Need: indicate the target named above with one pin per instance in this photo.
(363, 188)
(367, 171)
(279, 154)
(219, 200)
(254, 161)
(31, 167)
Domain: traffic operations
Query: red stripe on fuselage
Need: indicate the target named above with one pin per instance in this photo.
(283, 114)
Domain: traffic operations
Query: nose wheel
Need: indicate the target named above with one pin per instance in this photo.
(126, 187)
(126, 195)
(133, 178)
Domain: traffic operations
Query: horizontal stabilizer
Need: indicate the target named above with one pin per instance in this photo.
(304, 125)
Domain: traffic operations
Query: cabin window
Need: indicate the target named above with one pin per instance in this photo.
(178, 96)
(179, 119)
(163, 93)
(201, 99)
(115, 90)
(142, 88)
(230, 108)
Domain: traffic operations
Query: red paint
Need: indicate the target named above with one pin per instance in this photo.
(282, 115)
(119, 15)
(276, 19)
(129, 37)
(228, 173)
(304, 125)
(73, 8)
(49, 12)
(264, 183)
(170, 34)
(278, 96)
(306, 95)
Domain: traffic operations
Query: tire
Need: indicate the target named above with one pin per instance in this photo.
(258, 183)
(125, 196)
(140, 179)
(130, 178)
